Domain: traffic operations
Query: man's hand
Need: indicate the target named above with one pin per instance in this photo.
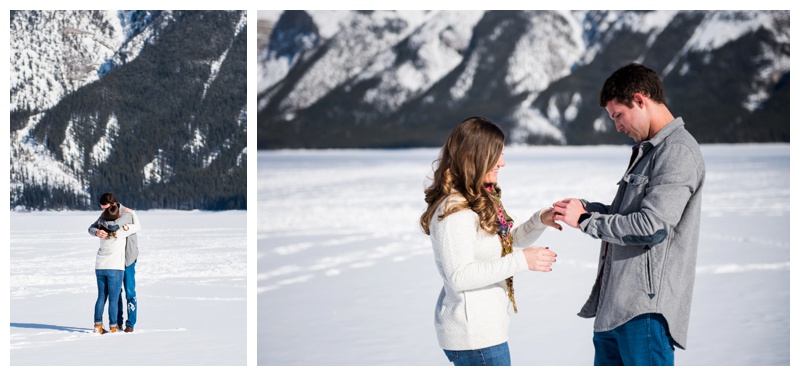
(127, 210)
(101, 234)
(568, 211)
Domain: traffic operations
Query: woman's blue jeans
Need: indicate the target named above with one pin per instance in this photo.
(642, 341)
(497, 355)
(109, 284)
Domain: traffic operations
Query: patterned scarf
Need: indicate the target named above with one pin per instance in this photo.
(505, 223)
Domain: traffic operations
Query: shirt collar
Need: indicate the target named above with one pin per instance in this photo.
(668, 129)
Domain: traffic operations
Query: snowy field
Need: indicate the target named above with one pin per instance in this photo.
(346, 277)
(191, 283)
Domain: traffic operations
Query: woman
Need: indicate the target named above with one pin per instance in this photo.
(110, 266)
(473, 239)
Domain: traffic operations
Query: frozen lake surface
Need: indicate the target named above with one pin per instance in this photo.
(191, 284)
(346, 277)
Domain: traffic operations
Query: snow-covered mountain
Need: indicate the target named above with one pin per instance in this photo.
(404, 78)
(150, 105)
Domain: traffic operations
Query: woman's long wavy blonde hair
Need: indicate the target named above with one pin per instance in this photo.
(471, 150)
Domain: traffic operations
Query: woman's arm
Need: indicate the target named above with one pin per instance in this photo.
(131, 228)
(527, 232)
(455, 243)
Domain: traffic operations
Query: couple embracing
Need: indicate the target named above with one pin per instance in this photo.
(115, 264)
(642, 295)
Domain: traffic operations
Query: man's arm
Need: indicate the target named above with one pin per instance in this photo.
(95, 231)
(673, 181)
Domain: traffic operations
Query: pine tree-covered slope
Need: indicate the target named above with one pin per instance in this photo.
(166, 129)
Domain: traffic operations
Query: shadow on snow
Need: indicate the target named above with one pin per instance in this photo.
(51, 327)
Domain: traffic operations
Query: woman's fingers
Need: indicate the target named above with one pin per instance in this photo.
(539, 258)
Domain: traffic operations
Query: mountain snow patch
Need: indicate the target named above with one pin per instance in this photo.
(157, 171)
(102, 149)
(35, 165)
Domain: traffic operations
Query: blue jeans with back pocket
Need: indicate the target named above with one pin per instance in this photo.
(109, 286)
(497, 355)
(642, 341)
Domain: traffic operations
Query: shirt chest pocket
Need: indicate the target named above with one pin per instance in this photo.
(635, 188)
(635, 179)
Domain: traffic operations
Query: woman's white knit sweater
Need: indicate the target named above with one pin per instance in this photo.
(111, 254)
(473, 307)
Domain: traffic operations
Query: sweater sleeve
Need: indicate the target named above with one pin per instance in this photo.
(130, 229)
(530, 230)
(455, 243)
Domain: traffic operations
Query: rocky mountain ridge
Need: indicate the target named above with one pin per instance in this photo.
(403, 79)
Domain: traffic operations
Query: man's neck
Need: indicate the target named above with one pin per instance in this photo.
(659, 119)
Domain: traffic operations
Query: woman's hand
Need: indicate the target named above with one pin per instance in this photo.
(127, 210)
(547, 218)
(539, 259)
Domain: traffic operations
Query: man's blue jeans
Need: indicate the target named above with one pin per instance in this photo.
(129, 283)
(497, 355)
(109, 283)
(642, 341)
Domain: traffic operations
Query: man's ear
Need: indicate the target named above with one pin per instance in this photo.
(639, 99)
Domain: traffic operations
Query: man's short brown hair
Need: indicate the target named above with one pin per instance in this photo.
(107, 198)
(628, 80)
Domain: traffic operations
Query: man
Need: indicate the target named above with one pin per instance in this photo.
(643, 292)
(131, 255)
